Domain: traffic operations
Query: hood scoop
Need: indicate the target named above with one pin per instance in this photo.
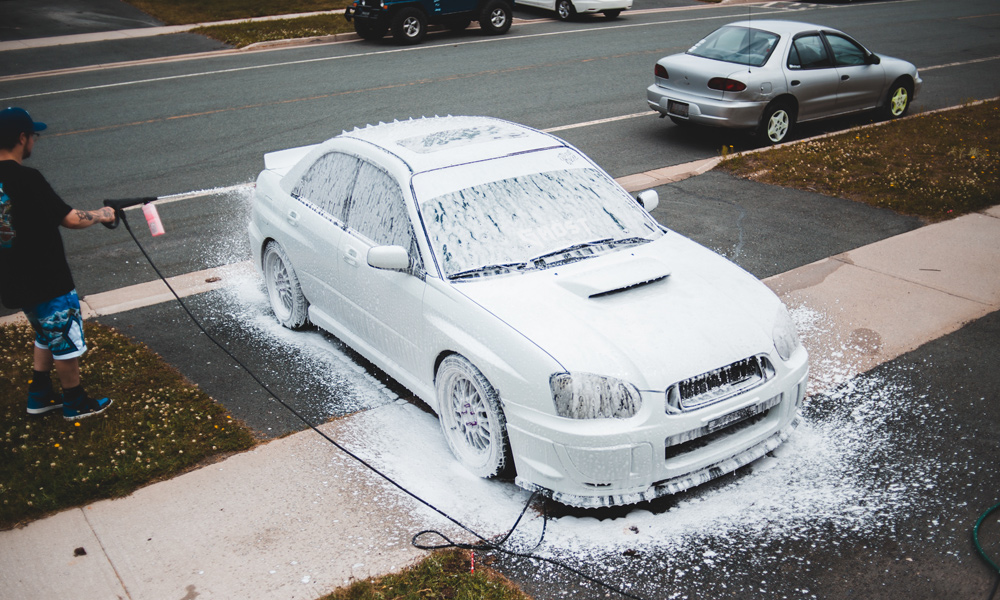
(615, 278)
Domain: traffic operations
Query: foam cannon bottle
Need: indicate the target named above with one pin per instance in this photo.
(152, 219)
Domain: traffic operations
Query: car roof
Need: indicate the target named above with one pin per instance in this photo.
(779, 27)
(434, 142)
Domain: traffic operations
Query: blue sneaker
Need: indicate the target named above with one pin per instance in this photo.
(42, 401)
(84, 407)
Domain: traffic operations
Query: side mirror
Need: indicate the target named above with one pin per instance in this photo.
(391, 258)
(873, 59)
(648, 200)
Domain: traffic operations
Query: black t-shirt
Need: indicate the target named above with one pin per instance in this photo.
(33, 265)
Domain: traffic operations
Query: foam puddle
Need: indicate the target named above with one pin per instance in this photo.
(834, 480)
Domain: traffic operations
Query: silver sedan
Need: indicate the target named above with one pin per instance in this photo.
(766, 76)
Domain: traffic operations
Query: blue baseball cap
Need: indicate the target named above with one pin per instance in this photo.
(15, 121)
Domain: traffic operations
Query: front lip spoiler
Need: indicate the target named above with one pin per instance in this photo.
(670, 486)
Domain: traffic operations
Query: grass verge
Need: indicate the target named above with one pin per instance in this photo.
(186, 12)
(935, 166)
(243, 34)
(159, 425)
(444, 575)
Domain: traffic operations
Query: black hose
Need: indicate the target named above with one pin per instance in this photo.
(982, 551)
(484, 543)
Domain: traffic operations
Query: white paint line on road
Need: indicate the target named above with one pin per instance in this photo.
(423, 48)
(598, 122)
(959, 64)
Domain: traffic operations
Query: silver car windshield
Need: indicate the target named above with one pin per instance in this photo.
(526, 212)
(741, 45)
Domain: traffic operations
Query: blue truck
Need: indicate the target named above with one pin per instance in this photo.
(408, 19)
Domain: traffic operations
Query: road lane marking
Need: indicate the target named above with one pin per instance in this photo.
(648, 113)
(959, 64)
(422, 48)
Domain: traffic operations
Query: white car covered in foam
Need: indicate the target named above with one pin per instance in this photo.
(562, 335)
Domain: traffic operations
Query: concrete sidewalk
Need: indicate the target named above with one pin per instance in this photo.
(318, 519)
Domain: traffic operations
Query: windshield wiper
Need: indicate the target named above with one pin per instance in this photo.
(609, 242)
(629, 241)
(568, 249)
(488, 269)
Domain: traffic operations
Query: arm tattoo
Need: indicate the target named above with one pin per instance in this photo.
(84, 215)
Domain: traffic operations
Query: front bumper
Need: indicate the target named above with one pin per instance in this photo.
(593, 463)
(595, 6)
(365, 13)
(704, 111)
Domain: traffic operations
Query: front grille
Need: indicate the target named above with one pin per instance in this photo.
(719, 428)
(715, 386)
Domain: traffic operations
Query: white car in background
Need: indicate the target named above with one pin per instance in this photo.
(568, 9)
(562, 335)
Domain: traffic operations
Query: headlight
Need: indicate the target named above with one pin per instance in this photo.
(786, 339)
(589, 396)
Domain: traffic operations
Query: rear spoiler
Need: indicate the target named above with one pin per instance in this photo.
(283, 160)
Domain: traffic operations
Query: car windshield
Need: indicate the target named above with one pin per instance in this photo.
(524, 212)
(741, 45)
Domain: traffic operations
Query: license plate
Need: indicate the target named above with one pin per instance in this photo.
(364, 13)
(677, 108)
(741, 414)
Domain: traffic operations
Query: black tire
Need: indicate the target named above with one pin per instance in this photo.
(471, 418)
(776, 124)
(897, 103)
(458, 23)
(612, 14)
(409, 26)
(370, 31)
(496, 17)
(565, 10)
(290, 306)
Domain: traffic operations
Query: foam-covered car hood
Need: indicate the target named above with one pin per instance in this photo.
(651, 314)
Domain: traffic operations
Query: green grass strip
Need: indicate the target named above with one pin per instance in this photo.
(936, 166)
(160, 425)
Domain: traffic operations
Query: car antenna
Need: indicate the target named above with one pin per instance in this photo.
(749, 33)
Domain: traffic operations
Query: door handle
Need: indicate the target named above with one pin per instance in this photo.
(796, 82)
(351, 257)
(293, 218)
(845, 77)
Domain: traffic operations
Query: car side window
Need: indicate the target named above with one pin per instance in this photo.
(377, 211)
(846, 52)
(328, 183)
(808, 52)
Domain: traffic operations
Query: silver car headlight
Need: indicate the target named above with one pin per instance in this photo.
(786, 338)
(589, 396)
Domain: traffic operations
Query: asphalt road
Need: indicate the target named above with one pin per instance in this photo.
(170, 128)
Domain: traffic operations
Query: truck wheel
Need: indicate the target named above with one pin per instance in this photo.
(409, 26)
(496, 17)
(370, 31)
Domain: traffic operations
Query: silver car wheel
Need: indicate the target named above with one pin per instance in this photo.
(471, 419)
(777, 125)
(283, 291)
(899, 101)
(564, 10)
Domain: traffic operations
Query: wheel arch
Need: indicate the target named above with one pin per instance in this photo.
(787, 99)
